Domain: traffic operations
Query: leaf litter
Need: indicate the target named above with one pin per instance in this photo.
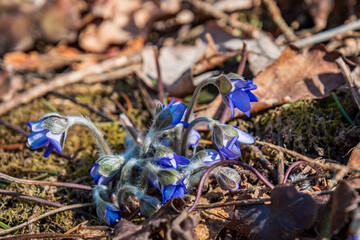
(294, 109)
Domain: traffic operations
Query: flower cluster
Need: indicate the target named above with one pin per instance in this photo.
(168, 162)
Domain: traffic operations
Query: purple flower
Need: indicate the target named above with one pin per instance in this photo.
(193, 138)
(112, 215)
(177, 110)
(228, 138)
(173, 190)
(172, 160)
(240, 95)
(41, 136)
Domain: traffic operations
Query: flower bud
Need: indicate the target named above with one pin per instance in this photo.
(227, 138)
(169, 116)
(168, 176)
(106, 168)
(207, 156)
(148, 205)
(228, 178)
(55, 122)
(194, 179)
(168, 159)
(105, 210)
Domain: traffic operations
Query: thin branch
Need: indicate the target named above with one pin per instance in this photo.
(159, 78)
(62, 209)
(49, 236)
(33, 182)
(275, 14)
(327, 35)
(253, 201)
(13, 127)
(226, 162)
(292, 166)
(66, 79)
(131, 129)
(349, 79)
(31, 198)
(333, 167)
(83, 105)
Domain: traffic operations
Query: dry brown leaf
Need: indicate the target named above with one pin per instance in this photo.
(19, 20)
(293, 76)
(122, 20)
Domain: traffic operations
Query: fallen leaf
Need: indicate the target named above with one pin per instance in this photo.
(122, 21)
(279, 220)
(335, 214)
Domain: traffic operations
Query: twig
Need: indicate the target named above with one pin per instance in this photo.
(66, 208)
(132, 130)
(254, 201)
(76, 227)
(326, 35)
(280, 168)
(149, 104)
(133, 214)
(333, 167)
(350, 79)
(232, 203)
(66, 79)
(226, 162)
(12, 146)
(275, 14)
(127, 100)
(247, 28)
(58, 184)
(262, 159)
(83, 105)
(159, 78)
(31, 198)
(296, 164)
(13, 127)
(49, 236)
(114, 74)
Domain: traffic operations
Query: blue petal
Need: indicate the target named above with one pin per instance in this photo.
(48, 150)
(212, 156)
(181, 160)
(112, 214)
(153, 179)
(94, 172)
(245, 137)
(36, 126)
(167, 162)
(252, 97)
(241, 100)
(232, 108)
(38, 139)
(167, 192)
(178, 110)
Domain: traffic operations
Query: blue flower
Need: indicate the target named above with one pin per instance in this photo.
(172, 160)
(228, 138)
(193, 138)
(112, 214)
(177, 110)
(41, 136)
(212, 156)
(240, 95)
(173, 190)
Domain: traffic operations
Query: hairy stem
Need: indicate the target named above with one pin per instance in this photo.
(188, 130)
(227, 162)
(102, 144)
(195, 96)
